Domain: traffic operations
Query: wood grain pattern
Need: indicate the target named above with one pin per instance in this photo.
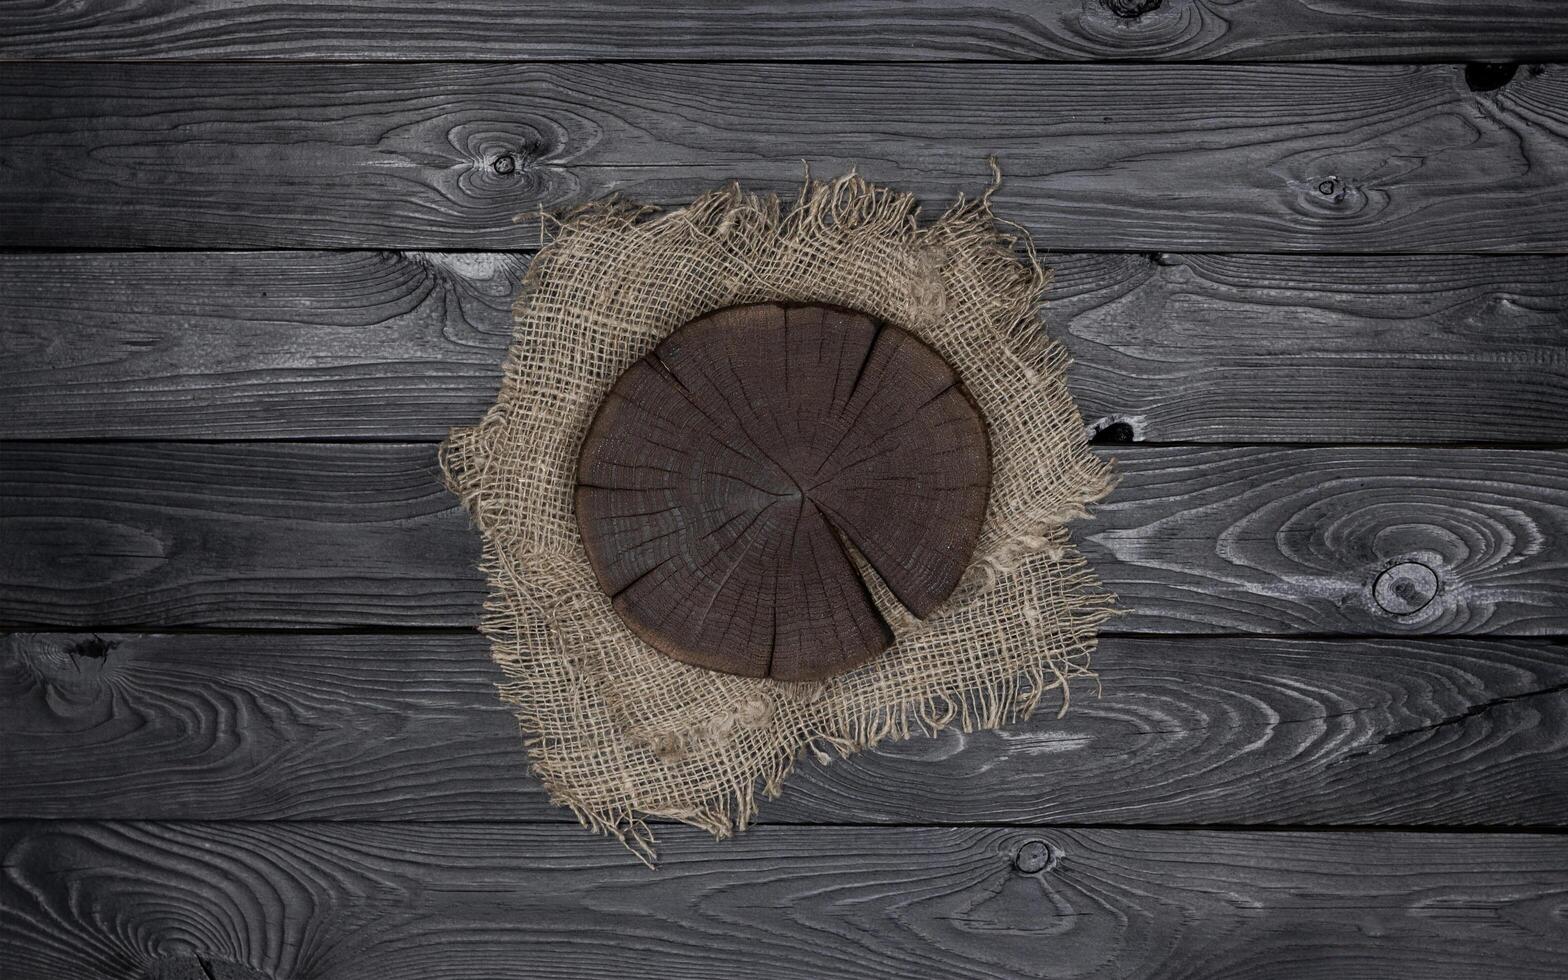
(855, 30)
(251, 345)
(257, 726)
(1178, 347)
(1229, 158)
(264, 535)
(1193, 540)
(393, 901)
(354, 802)
(1249, 348)
(727, 473)
(1284, 541)
(1184, 731)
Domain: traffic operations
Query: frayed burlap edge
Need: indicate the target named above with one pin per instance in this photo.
(619, 733)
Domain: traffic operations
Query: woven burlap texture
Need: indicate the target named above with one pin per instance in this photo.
(617, 731)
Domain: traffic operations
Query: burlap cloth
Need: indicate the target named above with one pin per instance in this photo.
(619, 732)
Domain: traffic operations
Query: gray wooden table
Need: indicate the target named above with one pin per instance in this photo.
(1312, 264)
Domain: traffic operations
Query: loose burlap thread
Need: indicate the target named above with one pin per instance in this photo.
(617, 731)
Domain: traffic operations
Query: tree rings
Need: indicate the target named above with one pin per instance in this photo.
(728, 472)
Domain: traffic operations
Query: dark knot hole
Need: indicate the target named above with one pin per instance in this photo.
(1485, 76)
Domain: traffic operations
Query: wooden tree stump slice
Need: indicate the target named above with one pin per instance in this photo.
(725, 472)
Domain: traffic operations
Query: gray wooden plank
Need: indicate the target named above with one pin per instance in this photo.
(1178, 347)
(1123, 156)
(1337, 540)
(391, 727)
(251, 344)
(89, 900)
(852, 30)
(1357, 540)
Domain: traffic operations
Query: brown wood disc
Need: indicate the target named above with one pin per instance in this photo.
(725, 471)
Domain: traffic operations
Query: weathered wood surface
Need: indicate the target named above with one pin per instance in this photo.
(1193, 157)
(254, 345)
(1179, 347)
(89, 900)
(298, 767)
(1336, 540)
(726, 475)
(854, 30)
(388, 727)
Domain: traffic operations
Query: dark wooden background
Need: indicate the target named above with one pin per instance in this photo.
(1312, 262)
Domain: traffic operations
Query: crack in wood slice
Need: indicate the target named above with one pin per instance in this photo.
(728, 474)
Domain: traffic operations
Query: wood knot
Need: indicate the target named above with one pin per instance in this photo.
(1405, 588)
(1331, 195)
(504, 164)
(1487, 76)
(94, 647)
(1036, 856)
(1113, 431)
(1130, 9)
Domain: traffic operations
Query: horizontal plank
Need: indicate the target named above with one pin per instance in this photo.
(89, 900)
(1178, 348)
(853, 30)
(1185, 732)
(1364, 541)
(252, 344)
(1124, 156)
